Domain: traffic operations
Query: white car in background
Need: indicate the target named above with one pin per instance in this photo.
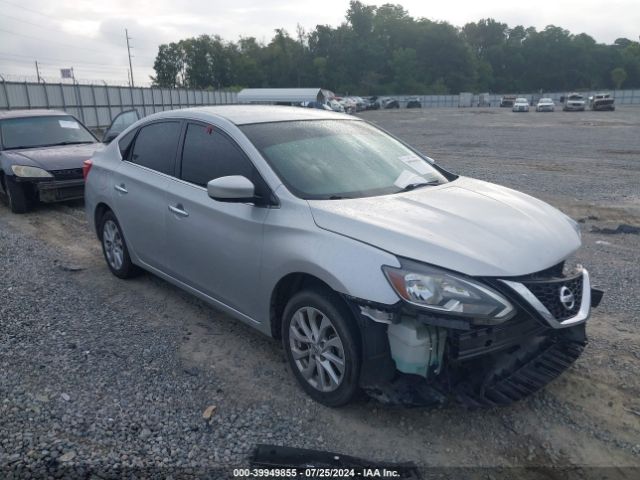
(545, 105)
(574, 102)
(349, 105)
(335, 105)
(520, 105)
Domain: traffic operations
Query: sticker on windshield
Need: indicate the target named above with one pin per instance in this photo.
(68, 124)
(416, 163)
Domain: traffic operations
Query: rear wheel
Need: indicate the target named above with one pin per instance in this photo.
(18, 196)
(320, 341)
(115, 249)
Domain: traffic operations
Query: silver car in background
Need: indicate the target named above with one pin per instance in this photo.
(545, 105)
(377, 268)
(520, 105)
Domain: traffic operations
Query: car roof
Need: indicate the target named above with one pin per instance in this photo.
(30, 113)
(247, 114)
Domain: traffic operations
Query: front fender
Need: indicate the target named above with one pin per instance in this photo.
(293, 243)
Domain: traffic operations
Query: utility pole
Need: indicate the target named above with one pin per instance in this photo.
(126, 33)
(37, 71)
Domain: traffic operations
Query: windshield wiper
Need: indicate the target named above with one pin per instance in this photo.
(24, 147)
(413, 186)
(68, 143)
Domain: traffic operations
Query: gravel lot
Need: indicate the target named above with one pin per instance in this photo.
(107, 375)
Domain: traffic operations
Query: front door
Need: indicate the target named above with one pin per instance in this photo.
(217, 245)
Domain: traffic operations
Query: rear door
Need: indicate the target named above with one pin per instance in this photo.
(216, 247)
(140, 190)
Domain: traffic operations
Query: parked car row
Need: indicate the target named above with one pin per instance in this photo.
(354, 104)
(571, 102)
(279, 217)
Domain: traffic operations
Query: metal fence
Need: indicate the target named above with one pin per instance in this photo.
(97, 105)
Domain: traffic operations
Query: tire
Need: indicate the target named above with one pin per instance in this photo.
(114, 247)
(334, 343)
(18, 196)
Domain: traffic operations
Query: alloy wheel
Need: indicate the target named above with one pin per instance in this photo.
(317, 350)
(113, 245)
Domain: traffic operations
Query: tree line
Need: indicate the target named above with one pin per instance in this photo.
(384, 50)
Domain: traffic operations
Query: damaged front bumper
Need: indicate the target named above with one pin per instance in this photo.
(53, 190)
(414, 357)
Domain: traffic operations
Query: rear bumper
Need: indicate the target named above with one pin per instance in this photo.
(60, 190)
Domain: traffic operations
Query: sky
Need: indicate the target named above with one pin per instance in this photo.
(90, 35)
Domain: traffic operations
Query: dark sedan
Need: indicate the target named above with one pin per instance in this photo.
(41, 157)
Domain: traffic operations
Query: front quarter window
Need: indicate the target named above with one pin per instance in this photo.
(331, 159)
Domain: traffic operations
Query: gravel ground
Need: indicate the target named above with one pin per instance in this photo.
(104, 375)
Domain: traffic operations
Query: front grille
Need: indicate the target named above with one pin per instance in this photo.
(549, 292)
(67, 174)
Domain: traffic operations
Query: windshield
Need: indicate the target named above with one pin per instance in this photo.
(521, 100)
(330, 159)
(29, 132)
(575, 97)
(546, 100)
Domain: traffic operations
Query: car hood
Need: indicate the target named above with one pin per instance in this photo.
(53, 158)
(467, 225)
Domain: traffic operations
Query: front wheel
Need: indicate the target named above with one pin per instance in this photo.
(320, 341)
(18, 196)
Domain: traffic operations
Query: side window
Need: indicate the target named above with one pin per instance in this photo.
(125, 142)
(209, 154)
(155, 146)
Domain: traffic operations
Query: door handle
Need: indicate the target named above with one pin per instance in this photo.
(120, 188)
(178, 210)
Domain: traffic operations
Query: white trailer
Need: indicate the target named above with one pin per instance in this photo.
(465, 99)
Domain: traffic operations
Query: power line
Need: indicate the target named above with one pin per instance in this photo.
(51, 41)
(28, 9)
(64, 60)
(39, 25)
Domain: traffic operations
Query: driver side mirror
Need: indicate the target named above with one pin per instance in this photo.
(234, 188)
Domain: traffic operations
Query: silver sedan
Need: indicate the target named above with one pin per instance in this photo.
(375, 266)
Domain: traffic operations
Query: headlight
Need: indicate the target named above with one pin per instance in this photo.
(29, 172)
(440, 291)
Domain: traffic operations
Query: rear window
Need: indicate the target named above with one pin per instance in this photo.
(155, 146)
(125, 143)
